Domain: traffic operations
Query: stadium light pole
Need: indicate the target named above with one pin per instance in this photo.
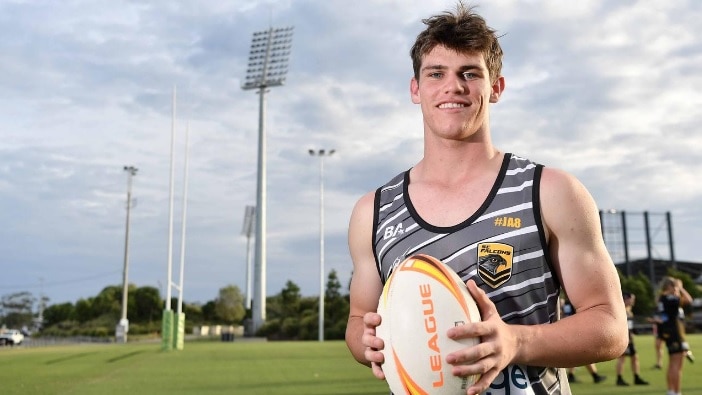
(123, 326)
(267, 68)
(321, 153)
(246, 230)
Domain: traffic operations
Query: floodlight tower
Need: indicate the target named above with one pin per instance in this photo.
(123, 326)
(321, 153)
(268, 66)
(246, 230)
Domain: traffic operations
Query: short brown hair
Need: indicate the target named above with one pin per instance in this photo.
(463, 31)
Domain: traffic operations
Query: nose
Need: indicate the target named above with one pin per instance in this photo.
(455, 84)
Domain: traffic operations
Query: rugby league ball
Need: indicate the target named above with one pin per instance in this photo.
(421, 300)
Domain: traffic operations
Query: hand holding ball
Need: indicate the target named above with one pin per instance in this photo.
(421, 300)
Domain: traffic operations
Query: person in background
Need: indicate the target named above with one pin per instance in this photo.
(673, 297)
(657, 339)
(629, 301)
(592, 369)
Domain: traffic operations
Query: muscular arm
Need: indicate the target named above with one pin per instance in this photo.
(365, 284)
(598, 330)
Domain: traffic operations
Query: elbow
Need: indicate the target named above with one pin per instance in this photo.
(621, 345)
(619, 341)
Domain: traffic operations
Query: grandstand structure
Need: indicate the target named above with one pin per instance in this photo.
(643, 242)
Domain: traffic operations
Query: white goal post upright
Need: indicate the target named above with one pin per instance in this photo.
(167, 321)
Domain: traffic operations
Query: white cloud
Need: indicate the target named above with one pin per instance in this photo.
(606, 91)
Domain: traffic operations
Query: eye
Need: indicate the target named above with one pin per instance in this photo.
(469, 75)
(435, 74)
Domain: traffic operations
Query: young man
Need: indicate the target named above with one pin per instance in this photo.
(466, 201)
(629, 301)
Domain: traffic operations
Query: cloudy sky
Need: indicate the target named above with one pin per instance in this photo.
(609, 91)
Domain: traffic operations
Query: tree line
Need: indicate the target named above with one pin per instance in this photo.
(289, 315)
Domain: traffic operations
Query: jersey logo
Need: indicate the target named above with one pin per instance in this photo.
(495, 263)
(393, 231)
(508, 222)
(396, 262)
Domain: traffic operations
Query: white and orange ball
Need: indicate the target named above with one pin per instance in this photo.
(420, 301)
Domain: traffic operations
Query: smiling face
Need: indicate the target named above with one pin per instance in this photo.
(454, 90)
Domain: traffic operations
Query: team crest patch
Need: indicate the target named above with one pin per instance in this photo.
(495, 263)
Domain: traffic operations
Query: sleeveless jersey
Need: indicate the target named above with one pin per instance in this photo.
(502, 246)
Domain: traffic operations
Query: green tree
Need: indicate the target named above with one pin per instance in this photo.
(208, 312)
(147, 304)
(293, 317)
(229, 305)
(58, 313)
(290, 299)
(283, 314)
(84, 310)
(16, 309)
(309, 321)
(333, 286)
(193, 313)
(640, 286)
(109, 302)
(336, 309)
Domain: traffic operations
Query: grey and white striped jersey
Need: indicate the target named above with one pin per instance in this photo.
(502, 246)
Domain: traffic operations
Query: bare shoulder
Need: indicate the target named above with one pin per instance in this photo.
(558, 184)
(364, 204)
(565, 202)
(365, 282)
(361, 219)
(361, 229)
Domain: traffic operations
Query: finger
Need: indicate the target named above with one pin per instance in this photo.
(469, 330)
(483, 383)
(462, 359)
(377, 371)
(374, 357)
(372, 319)
(372, 341)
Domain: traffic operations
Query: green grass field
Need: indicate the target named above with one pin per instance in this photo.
(244, 367)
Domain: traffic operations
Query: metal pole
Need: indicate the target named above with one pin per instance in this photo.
(259, 311)
(321, 247)
(651, 271)
(124, 323)
(169, 278)
(248, 271)
(184, 214)
(249, 223)
(670, 239)
(321, 153)
(267, 68)
(625, 235)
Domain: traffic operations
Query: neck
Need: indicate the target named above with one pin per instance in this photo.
(458, 166)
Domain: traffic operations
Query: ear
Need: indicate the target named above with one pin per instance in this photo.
(497, 88)
(414, 91)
